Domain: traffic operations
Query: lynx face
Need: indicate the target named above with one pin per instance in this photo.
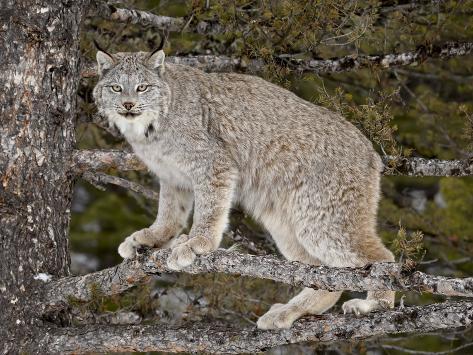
(130, 86)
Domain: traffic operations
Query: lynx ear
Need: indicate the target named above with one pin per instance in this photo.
(104, 62)
(156, 60)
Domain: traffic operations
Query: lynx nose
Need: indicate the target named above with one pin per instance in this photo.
(128, 105)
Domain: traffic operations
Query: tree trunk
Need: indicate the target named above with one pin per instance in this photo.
(39, 65)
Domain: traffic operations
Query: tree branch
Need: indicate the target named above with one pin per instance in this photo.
(110, 12)
(96, 160)
(427, 167)
(355, 62)
(211, 63)
(208, 63)
(164, 23)
(380, 276)
(98, 179)
(220, 338)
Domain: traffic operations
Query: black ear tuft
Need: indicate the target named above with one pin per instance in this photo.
(105, 61)
(160, 47)
(155, 59)
(99, 48)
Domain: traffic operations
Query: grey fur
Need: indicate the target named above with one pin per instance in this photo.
(309, 176)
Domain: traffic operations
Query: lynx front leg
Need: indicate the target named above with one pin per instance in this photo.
(213, 197)
(174, 208)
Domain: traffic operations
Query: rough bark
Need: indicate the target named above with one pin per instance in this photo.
(219, 338)
(39, 62)
(382, 276)
(96, 160)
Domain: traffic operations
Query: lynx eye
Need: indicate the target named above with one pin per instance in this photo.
(116, 88)
(142, 88)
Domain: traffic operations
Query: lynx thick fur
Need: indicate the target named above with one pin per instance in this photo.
(309, 176)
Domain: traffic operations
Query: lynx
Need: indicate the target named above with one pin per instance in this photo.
(213, 140)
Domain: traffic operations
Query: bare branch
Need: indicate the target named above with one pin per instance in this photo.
(94, 160)
(87, 317)
(379, 276)
(110, 12)
(427, 167)
(208, 63)
(111, 281)
(165, 23)
(220, 338)
(211, 63)
(214, 63)
(354, 62)
(96, 178)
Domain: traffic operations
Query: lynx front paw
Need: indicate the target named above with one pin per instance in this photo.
(127, 248)
(359, 306)
(131, 244)
(279, 316)
(181, 256)
(185, 251)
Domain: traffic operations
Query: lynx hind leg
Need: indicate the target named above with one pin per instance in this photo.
(363, 249)
(375, 300)
(308, 301)
(339, 254)
(347, 236)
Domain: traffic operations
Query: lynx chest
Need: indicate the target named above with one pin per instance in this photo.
(154, 148)
(160, 160)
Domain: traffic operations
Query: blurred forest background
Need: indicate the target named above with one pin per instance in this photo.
(424, 110)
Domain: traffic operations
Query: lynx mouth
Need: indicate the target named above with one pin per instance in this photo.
(130, 115)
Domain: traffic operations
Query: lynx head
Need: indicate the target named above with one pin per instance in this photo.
(131, 86)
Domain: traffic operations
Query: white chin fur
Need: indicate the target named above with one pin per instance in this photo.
(133, 128)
